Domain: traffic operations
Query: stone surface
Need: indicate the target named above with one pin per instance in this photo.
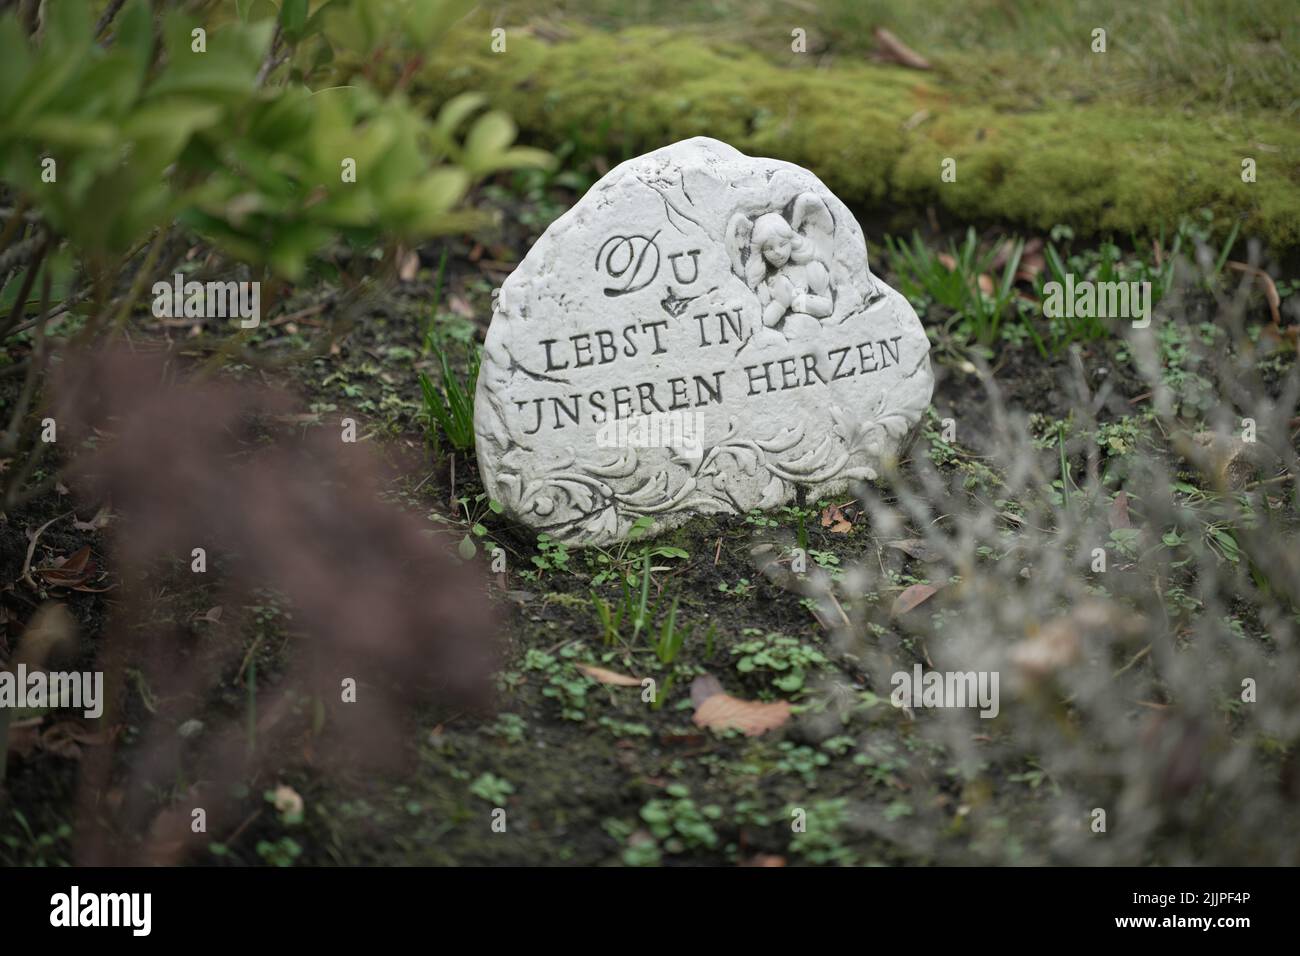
(699, 334)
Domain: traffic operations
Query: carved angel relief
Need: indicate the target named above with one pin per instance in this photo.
(786, 264)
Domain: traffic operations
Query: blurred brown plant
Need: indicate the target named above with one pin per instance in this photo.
(1157, 685)
(193, 463)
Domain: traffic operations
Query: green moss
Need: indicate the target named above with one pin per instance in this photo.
(877, 135)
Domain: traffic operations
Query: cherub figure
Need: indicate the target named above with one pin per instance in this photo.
(785, 263)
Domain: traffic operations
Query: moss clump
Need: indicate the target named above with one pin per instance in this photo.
(877, 135)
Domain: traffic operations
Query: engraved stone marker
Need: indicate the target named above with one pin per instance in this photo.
(699, 334)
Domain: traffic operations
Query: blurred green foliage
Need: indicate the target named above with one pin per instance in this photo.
(181, 125)
(271, 137)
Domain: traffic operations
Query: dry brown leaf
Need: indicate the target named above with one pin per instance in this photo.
(721, 711)
(1270, 290)
(896, 51)
(609, 677)
(1031, 266)
(72, 572)
(102, 517)
(833, 517)
(765, 859)
(911, 597)
(75, 562)
(983, 280)
(88, 590)
(704, 687)
(724, 712)
(1002, 252)
(68, 572)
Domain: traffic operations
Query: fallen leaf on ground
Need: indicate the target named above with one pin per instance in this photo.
(1031, 266)
(608, 677)
(896, 51)
(911, 597)
(983, 280)
(720, 711)
(1001, 254)
(69, 572)
(724, 712)
(704, 687)
(1270, 290)
(102, 517)
(833, 517)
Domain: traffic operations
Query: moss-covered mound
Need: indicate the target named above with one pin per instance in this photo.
(878, 135)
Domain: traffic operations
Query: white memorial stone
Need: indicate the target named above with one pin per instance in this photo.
(699, 334)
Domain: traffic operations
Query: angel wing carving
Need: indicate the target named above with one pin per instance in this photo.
(812, 218)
